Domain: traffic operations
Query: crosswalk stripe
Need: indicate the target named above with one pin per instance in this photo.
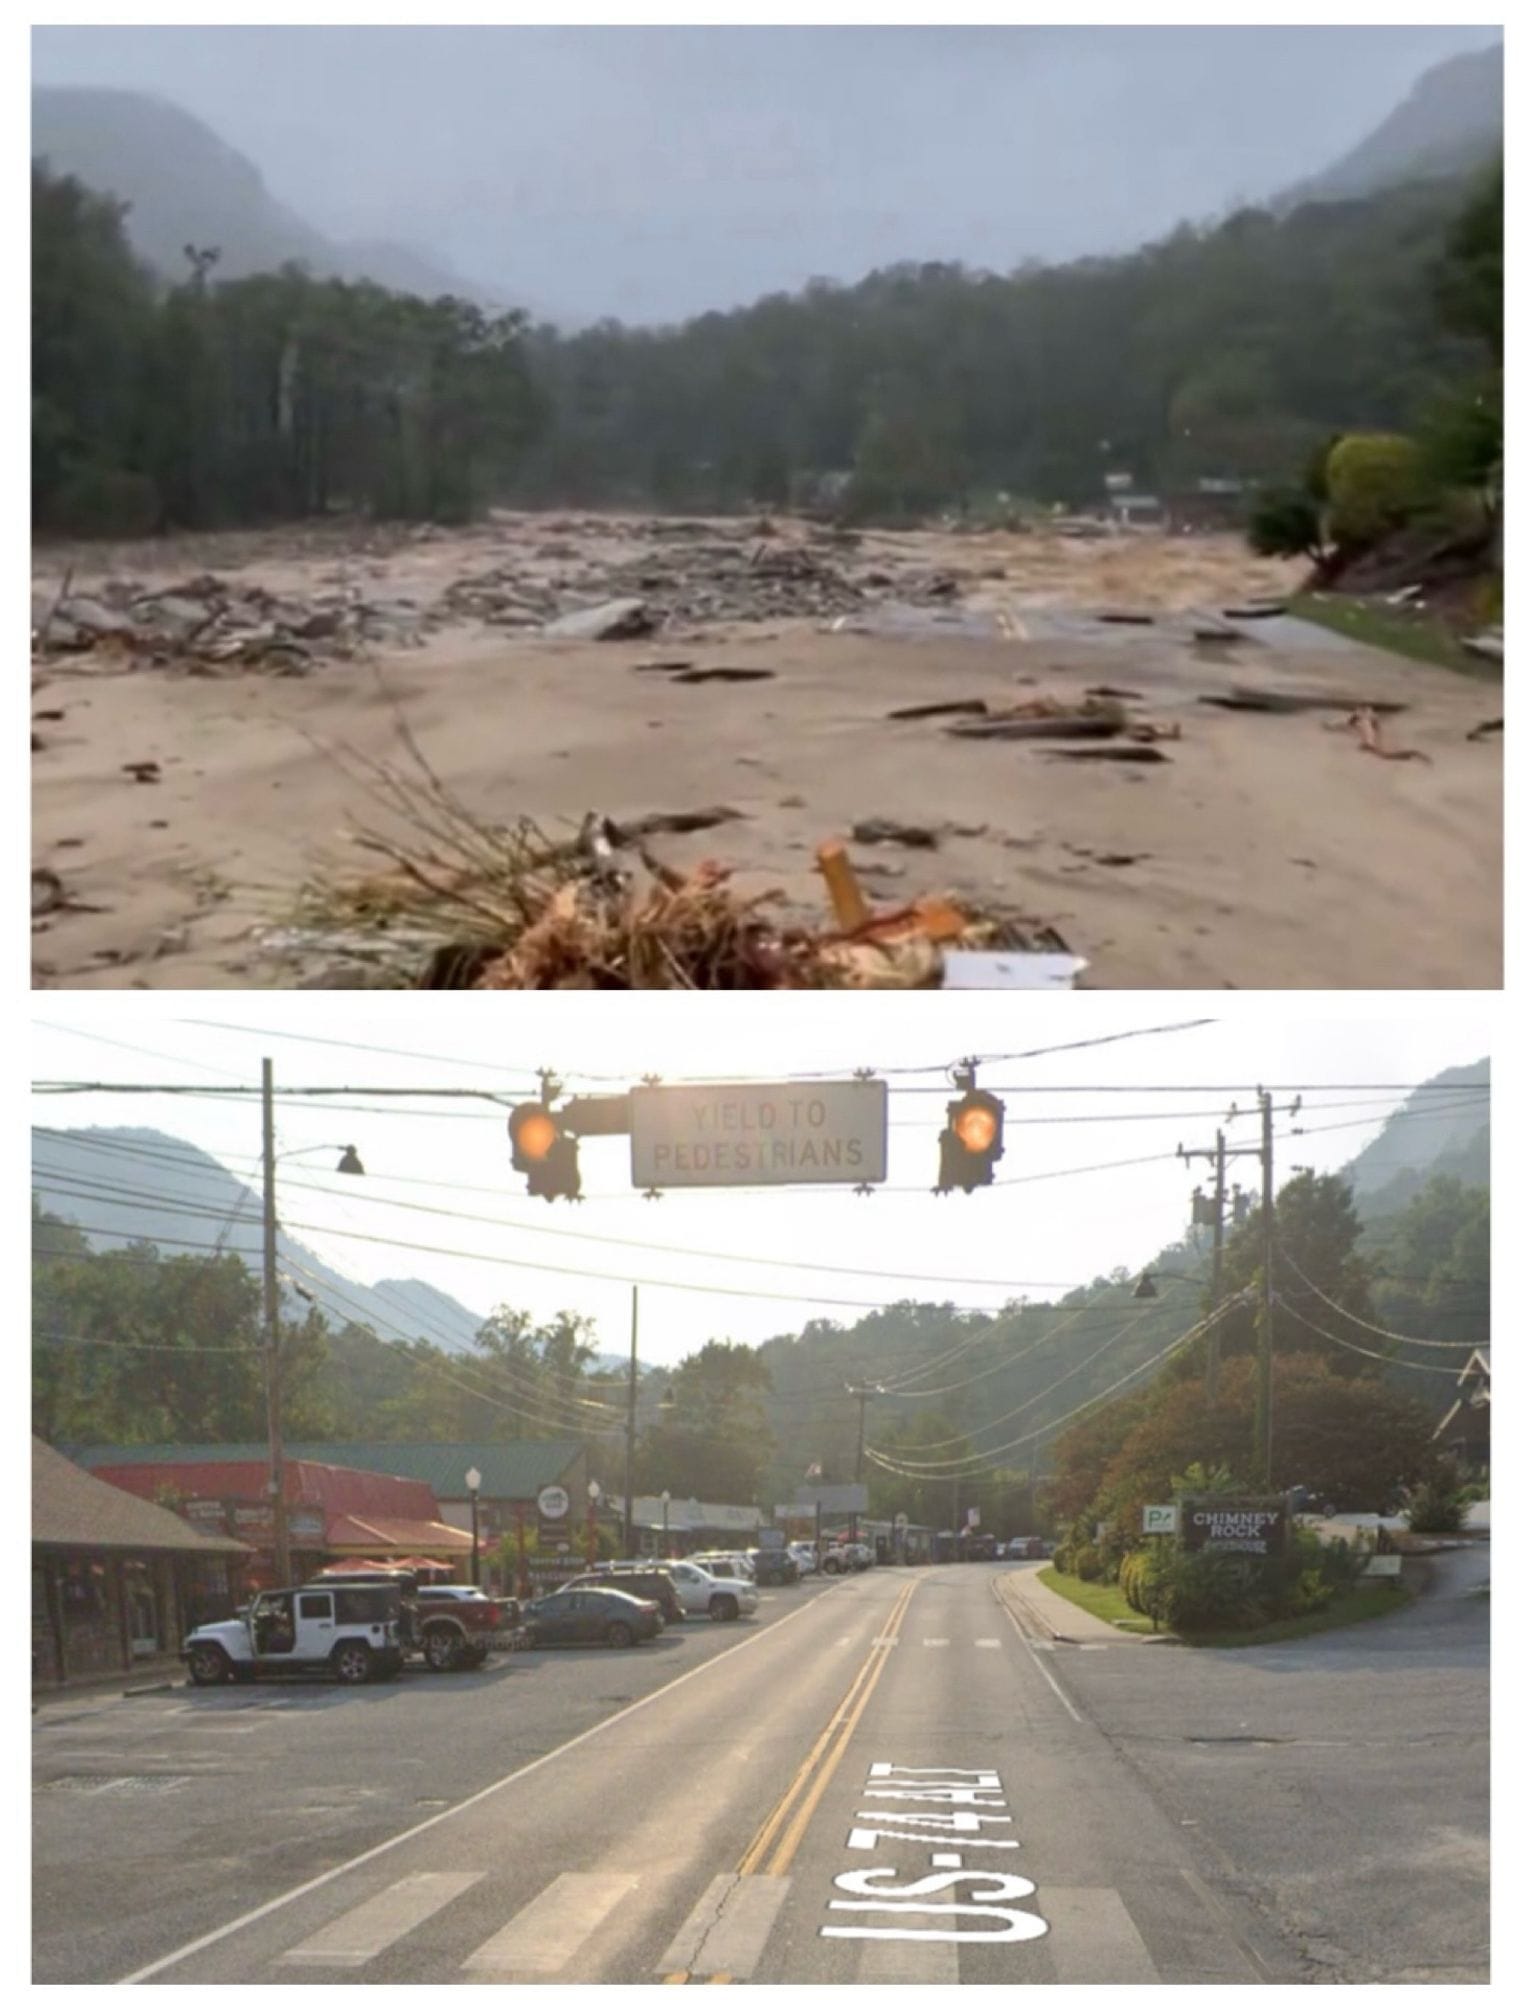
(987, 1642)
(548, 1931)
(935, 1642)
(725, 1933)
(373, 1927)
(894, 1641)
(1092, 1939)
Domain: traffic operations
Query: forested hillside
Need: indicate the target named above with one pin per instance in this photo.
(1224, 351)
(952, 1402)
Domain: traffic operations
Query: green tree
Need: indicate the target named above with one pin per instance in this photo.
(713, 1440)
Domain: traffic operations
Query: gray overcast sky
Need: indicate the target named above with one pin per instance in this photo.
(1038, 1238)
(653, 172)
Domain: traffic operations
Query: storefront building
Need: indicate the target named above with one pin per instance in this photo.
(116, 1581)
(332, 1511)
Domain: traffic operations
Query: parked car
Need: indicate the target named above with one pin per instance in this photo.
(450, 1625)
(838, 1558)
(351, 1631)
(717, 1597)
(773, 1566)
(595, 1617)
(708, 1558)
(648, 1580)
(806, 1556)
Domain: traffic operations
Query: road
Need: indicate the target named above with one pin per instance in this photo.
(713, 1809)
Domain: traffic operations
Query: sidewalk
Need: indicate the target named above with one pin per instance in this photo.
(102, 1687)
(1044, 1615)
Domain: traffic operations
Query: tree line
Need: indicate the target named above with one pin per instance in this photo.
(135, 1346)
(270, 398)
(1226, 351)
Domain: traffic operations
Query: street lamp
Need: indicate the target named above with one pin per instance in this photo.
(1149, 1282)
(666, 1497)
(473, 1482)
(594, 1492)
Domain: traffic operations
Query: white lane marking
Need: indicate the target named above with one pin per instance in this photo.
(987, 1642)
(373, 1927)
(1032, 1646)
(464, 1805)
(728, 1928)
(548, 1931)
(895, 1641)
(935, 1642)
(1094, 1941)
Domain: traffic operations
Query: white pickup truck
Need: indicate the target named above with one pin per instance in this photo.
(349, 1631)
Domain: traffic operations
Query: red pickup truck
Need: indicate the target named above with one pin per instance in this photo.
(451, 1625)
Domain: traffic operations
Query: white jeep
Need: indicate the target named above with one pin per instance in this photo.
(347, 1630)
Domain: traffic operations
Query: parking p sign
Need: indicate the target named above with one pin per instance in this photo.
(1162, 1520)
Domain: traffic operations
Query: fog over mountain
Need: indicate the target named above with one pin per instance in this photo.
(652, 173)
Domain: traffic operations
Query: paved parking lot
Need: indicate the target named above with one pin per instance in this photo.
(212, 1788)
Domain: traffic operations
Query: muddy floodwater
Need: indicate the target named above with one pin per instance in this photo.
(202, 708)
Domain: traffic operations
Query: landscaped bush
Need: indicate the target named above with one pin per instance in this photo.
(1089, 1564)
(1203, 1592)
(1376, 484)
(1436, 1506)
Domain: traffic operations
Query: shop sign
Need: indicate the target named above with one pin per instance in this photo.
(1234, 1524)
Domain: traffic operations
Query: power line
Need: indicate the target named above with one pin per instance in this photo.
(1389, 1360)
(1006, 1417)
(1015, 1444)
(1365, 1325)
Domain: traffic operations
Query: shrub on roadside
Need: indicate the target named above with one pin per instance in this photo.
(1436, 1506)
(1376, 484)
(1285, 522)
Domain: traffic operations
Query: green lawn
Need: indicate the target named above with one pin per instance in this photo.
(1106, 1601)
(1102, 1600)
(1395, 629)
(1372, 1600)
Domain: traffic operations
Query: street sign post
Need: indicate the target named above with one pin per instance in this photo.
(758, 1134)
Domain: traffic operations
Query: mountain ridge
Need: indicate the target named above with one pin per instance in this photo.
(1451, 123)
(186, 185)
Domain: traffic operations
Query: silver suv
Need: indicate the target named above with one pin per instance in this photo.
(732, 1595)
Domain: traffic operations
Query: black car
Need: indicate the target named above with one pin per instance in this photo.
(637, 1580)
(582, 1616)
(773, 1566)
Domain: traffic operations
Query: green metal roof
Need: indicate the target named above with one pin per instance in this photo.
(509, 1471)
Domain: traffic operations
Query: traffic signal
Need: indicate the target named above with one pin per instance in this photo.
(971, 1145)
(544, 1152)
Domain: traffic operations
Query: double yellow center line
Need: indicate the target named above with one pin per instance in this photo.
(780, 1835)
(778, 1838)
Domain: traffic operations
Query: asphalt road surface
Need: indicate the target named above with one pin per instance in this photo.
(883, 1780)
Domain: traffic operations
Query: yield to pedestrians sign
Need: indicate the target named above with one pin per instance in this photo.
(757, 1134)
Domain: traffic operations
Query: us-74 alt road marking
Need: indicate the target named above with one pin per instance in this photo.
(950, 1808)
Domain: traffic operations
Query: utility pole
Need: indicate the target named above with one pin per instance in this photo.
(1219, 1157)
(1267, 1296)
(635, 1317)
(1265, 1343)
(273, 1336)
(863, 1393)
